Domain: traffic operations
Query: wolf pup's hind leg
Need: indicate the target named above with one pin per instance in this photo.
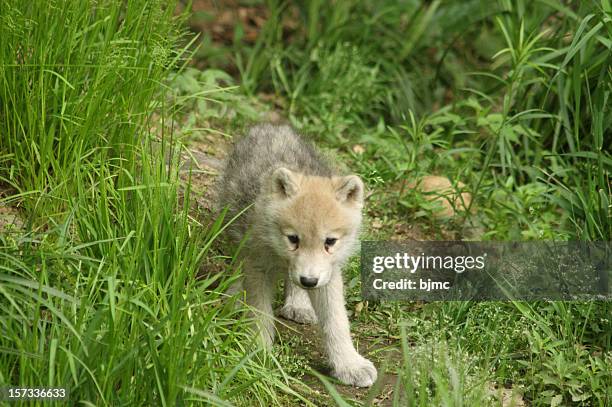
(297, 304)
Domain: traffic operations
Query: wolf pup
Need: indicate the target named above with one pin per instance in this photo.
(303, 223)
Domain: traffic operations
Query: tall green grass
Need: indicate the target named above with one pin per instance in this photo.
(77, 85)
(99, 290)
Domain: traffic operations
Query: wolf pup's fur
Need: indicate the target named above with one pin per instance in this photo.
(303, 224)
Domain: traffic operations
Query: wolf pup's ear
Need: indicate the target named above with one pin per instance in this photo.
(283, 182)
(349, 190)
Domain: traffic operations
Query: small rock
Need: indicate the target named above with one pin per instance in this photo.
(440, 189)
(358, 149)
(377, 224)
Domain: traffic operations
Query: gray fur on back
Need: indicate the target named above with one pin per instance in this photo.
(265, 148)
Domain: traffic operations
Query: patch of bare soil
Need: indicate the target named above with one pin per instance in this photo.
(310, 348)
(10, 218)
(220, 19)
(201, 163)
(228, 21)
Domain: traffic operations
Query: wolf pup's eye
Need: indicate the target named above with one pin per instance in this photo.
(293, 239)
(330, 241)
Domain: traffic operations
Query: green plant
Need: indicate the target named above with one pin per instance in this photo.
(99, 286)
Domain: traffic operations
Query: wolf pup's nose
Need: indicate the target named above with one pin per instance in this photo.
(309, 282)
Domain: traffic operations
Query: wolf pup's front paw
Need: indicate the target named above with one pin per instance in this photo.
(360, 373)
(299, 315)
